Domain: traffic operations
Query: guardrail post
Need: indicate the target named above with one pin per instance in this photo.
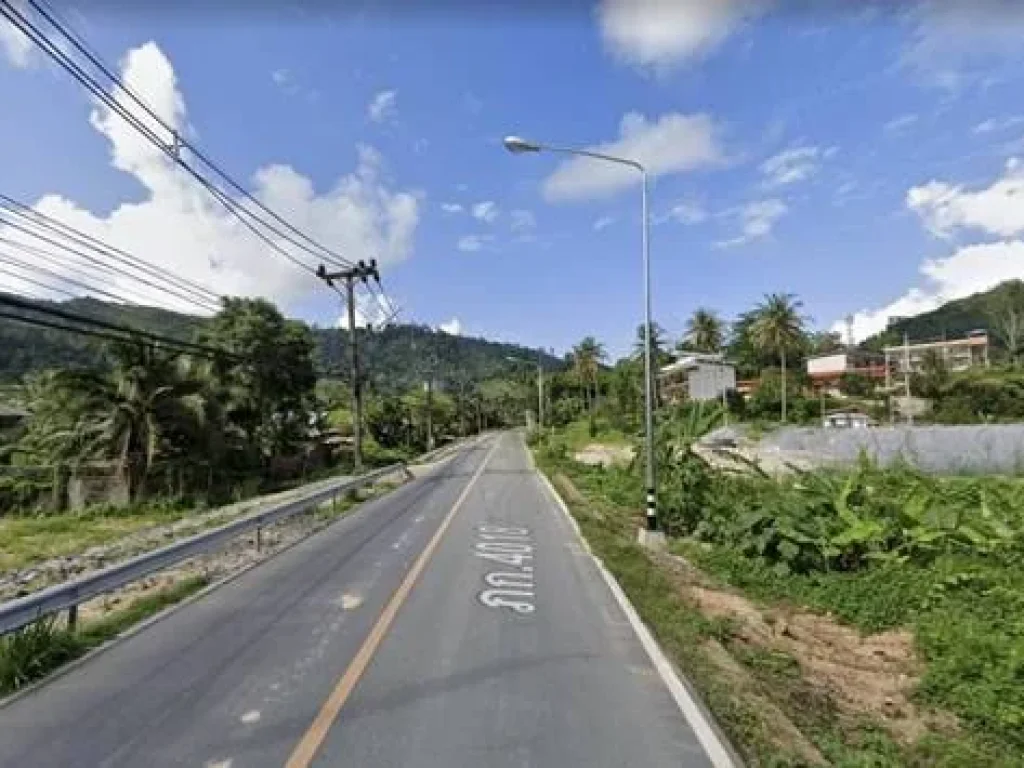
(72, 617)
(259, 538)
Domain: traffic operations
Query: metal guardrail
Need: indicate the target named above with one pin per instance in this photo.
(22, 611)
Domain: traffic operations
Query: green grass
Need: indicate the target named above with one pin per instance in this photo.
(577, 435)
(40, 648)
(26, 540)
(966, 610)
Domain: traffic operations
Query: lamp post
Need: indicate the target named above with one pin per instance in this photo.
(518, 146)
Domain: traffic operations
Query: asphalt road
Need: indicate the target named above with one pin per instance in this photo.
(455, 622)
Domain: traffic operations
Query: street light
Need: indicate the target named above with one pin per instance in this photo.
(518, 146)
(540, 387)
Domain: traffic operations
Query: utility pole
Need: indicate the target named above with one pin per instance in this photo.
(906, 369)
(360, 271)
(540, 393)
(429, 386)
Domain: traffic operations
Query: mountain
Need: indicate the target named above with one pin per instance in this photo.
(395, 358)
(956, 319)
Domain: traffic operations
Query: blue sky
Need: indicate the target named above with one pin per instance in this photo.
(864, 161)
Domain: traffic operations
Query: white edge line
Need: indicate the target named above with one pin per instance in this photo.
(721, 756)
(170, 610)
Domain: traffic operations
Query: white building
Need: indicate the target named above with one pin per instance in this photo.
(696, 376)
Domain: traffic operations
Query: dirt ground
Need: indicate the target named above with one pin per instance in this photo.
(871, 676)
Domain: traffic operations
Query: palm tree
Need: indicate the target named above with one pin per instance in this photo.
(658, 353)
(587, 357)
(778, 328)
(129, 414)
(705, 331)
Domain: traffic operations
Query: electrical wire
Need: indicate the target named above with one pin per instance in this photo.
(62, 59)
(56, 227)
(127, 332)
(6, 258)
(38, 284)
(78, 270)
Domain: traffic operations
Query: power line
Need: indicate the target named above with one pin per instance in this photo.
(62, 59)
(127, 332)
(181, 295)
(6, 258)
(70, 267)
(96, 245)
(38, 283)
(76, 40)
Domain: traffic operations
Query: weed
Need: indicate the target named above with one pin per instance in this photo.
(38, 649)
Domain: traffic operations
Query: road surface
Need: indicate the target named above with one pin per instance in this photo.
(455, 622)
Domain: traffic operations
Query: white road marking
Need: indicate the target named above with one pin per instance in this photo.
(510, 546)
(350, 601)
(693, 713)
(250, 717)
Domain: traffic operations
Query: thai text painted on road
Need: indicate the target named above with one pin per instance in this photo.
(512, 586)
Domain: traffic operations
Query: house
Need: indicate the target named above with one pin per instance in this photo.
(696, 376)
(957, 354)
(826, 371)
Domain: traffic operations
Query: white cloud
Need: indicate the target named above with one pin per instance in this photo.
(522, 220)
(757, 220)
(473, 243)
(685, 212)
(660, 33)
(672, 144)
(996, 210)
(176, 224)
(452, 207)
(954, 40)
(793, 165)
(969, 270)
(453, 327)
(603, 222)
(486, 211)
(900, 124)
(997, 124)
(944, 208)
(17, 48)
(383, 108)
(281, 77)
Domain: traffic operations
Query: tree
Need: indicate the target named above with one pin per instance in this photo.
(825, 343)
(934, 374)
(1007, 318)
(777, 329)
(268, 385)
(587, 358)
(659, 354)
(146, 405)
(705, 332)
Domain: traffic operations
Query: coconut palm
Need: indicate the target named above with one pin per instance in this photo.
(130, 414)
(587, 357)
(658, 354)
(705, 331)
(778, 328)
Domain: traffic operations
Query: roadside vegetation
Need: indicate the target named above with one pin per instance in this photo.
(864, 617)
(40, 648)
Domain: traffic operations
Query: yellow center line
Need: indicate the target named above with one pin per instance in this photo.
(311, 741)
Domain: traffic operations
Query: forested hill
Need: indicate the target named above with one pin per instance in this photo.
(955, 319)
(393, 358)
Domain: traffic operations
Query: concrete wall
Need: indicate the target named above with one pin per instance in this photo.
(986, 449)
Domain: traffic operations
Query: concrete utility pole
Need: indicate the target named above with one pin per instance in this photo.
(429, 386)
(361, 271)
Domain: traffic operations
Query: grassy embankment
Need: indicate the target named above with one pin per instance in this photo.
(865, 618)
